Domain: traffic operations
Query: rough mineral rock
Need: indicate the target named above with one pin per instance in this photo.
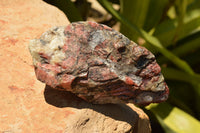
(98, 64)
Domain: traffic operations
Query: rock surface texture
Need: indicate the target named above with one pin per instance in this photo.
(98, 64)
(26, 104)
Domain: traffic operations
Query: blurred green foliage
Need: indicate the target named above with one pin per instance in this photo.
(171, 30)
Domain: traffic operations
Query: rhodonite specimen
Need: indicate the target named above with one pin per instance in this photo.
(98, 64)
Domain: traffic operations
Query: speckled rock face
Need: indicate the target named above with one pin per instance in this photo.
(98, 64)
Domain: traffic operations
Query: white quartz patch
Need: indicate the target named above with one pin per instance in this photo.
(160, 86)
(96, 38)
(147, 98)
(50, 44)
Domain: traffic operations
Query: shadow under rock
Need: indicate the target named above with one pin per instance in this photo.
(62, 99)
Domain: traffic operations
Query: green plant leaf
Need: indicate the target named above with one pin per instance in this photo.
(180, 95)
(197, 99)
(68, 8)
(187, 45)
(166, 31)
(181, 11)
(138, 10)
(193, 4)
(192, 58)
(154, 13)
(174, 119)
(174, 74)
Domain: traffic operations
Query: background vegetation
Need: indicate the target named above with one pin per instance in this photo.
(171, 30)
